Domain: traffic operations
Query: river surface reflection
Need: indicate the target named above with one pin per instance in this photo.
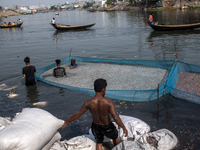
(124, 35)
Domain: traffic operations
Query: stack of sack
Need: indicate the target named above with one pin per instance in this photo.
(139, 138)
(36, 129)
(33, 129)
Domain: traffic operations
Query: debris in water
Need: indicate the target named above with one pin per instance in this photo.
(40, 104)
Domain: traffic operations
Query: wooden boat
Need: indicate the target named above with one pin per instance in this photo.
(174, 27)
(68, 27)
(12, 26)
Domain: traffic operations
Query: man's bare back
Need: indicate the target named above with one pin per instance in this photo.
(99, 109)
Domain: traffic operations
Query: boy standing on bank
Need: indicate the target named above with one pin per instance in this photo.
(100, 108)
(29, 72)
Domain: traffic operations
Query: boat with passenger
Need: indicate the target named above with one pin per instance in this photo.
(11, 26)
(174, 27)
(69, 27)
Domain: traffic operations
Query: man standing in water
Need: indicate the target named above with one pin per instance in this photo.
(29, 72)
(59, 71)
(100, 108)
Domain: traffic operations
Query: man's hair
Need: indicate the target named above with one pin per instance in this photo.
(73, 60)
(27, 59)
(99, 84)
(152, 13)
(57, 61)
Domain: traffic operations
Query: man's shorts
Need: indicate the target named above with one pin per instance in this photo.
(99, 131)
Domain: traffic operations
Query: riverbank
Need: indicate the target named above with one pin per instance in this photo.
(126, 6)
(8, 13)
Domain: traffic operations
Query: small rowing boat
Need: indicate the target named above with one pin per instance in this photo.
(69, 27)
(174, 27)
(12, 26)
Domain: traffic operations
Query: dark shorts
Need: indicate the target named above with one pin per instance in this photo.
(99, 131)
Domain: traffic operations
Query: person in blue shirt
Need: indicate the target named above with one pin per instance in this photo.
(73, 64)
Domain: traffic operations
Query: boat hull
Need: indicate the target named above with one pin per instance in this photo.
(174, 27)
(12, 26)
(68, 27)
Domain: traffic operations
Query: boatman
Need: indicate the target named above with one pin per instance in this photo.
(53, 21)
(100, 108)
(5, 24)
(29, 72)
(151, 18)
(19, 21)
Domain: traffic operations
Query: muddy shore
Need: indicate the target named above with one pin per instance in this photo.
(8, 13)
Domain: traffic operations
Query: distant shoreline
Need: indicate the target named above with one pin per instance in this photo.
(8, 13)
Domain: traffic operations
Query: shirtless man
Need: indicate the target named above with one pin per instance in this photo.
(100, 108)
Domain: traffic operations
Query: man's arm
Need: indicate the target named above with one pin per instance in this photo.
(34, 71)
(23, 72)
(76, 115)
(116, 117)
(54, 73)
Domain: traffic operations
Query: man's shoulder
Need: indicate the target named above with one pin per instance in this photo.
(59, 68)
(32, 66)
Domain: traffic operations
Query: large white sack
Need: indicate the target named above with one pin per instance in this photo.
(55, 138)
(134, 126)
(30, 130)
(163, 139)
(132, 145)
(4, 122)
(80, 143)
(58, 145)
(166, 139)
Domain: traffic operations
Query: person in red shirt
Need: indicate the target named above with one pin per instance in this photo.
(151, 18)
(9, 24)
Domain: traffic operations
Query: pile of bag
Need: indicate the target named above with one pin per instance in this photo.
(36, 129)
(33, 129)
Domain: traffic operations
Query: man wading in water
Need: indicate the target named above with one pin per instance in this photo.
(100, 108)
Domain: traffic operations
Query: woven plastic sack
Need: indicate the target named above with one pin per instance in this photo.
(55, 138)
(30, 130)
(162, 139)
(4, 122)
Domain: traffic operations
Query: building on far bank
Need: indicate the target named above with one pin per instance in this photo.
(15, 7)
(101, 3)
(180, 3)
(6, 8)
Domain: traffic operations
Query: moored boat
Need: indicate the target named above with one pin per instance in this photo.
(174, 27)
(69, 27)
(12, 26)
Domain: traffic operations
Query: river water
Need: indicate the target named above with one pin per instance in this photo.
(124, 35)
